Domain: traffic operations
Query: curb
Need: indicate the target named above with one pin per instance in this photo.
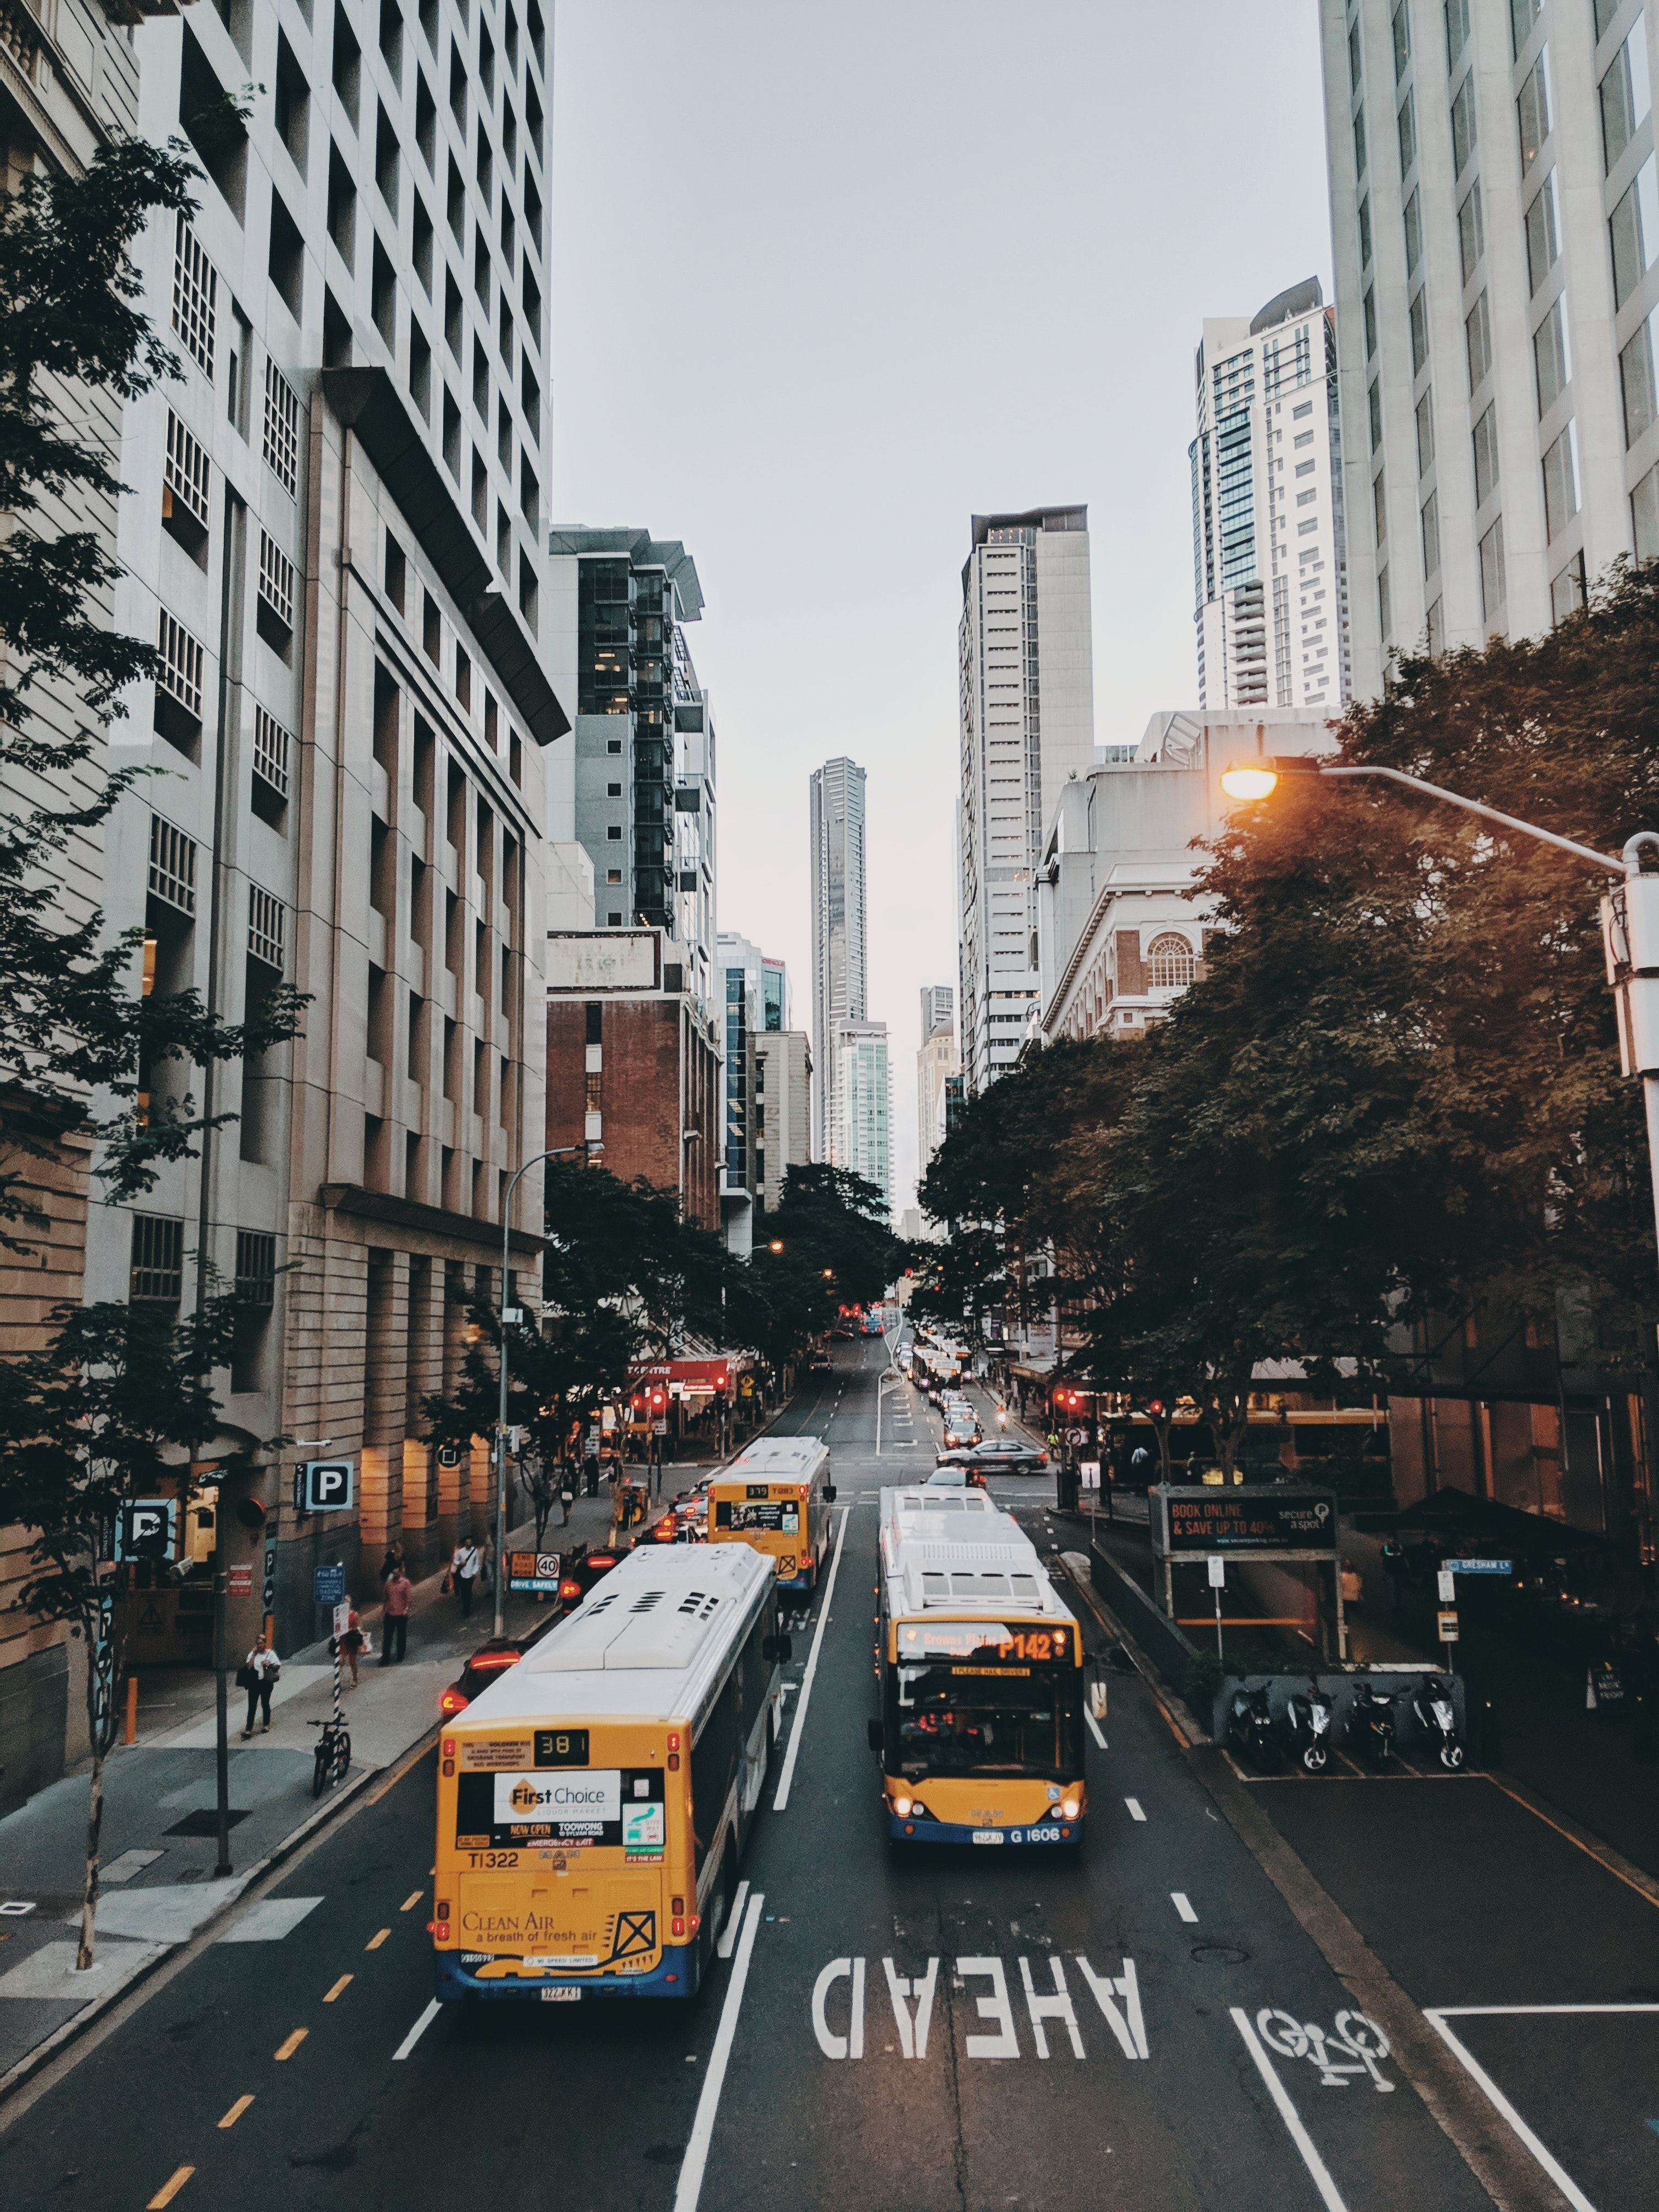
(1174, 1707)
(77, 2025)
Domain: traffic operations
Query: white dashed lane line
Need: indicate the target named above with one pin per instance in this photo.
(1179, 1899)
(1135, 1813)
(1094, 1727)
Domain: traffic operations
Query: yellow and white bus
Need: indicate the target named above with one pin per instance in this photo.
(981, 1670)
(594, 1801)
(775, 1496)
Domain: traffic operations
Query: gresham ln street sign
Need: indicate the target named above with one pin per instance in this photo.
(1189, 1521)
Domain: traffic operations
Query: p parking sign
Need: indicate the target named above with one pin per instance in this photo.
(145, 1529)
(329, 1485)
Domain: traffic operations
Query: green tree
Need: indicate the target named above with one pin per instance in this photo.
(835, 1247)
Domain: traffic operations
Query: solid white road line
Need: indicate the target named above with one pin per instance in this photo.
(417, 2031)
(1562, 2180)
(1134, 1804)
(1178, 1898)
(1287, 2112)
(1094, 1727)
(795, 1733)
(702, 2128)
(733, 1921)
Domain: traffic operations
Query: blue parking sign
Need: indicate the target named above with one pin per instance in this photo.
(328, 1583)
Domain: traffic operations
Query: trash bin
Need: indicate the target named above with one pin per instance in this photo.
(1065, 1487)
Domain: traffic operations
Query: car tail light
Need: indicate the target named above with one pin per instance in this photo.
(601, 1558)
(1042, 1459)
(487, 1663)
(570, 1589)
(453, 1701)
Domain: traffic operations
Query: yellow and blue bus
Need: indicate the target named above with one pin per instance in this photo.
(593, 1803)
(775, 1496)
(981, 1670)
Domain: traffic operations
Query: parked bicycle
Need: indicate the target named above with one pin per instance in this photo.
(332, 1756)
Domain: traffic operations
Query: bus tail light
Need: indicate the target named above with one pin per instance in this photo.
(677, 1928)
(673, 1762)
(449, 1747)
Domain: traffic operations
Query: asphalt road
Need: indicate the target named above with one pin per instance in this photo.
(271, 2069)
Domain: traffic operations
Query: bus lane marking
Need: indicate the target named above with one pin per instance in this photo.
(795, 1734)
(1134, 1804)
(1094, 1727)
(417, 2032)
(695, 2160)
(912, 1998)
(733, 1921)
(1287, 2112)
(1182, 1905)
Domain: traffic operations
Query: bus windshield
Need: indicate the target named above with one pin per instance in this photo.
(950, 1719)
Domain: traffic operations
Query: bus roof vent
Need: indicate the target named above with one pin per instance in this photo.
(645, 1600)
(935, 1589)
(1025, 1588)
(980, 1589)
(691, 1600)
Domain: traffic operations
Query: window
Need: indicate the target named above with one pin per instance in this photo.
(342, 207)
(1561, 481)
(348, 63)
(272, 744)
(1523, 14)
(1406, 125)
(256, 1267)
(1379, 510)
(1624, 98)
(185, 480)
(1644, 516)
(1374, 402)
(1532, 111)
(171, 866)
(195, 297)
(1552, 355)
(1353, 58)
(1437, 627)
(180, 675)
(267, 919)
(1458, 30)
(1171, 964)
(1371, 323)
(1462, 122)
(426, 118)
(276, 581)
(1491, 572)
(286, 262)
(1384, 606)
(282, 428)
(1359, 143)
(1605, 12)
(1567, 591)
(1477, 330)
(1471, 231)
(1418, 317)
(1431, 534)
(1637, 376)
(1365, 233)
(1485, 456)
(1543, 232)
(1633, 227)
(157, 1276)
(1425, 434)
(1402, 41)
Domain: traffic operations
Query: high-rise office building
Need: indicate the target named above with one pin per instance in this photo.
(861, 1140)
(840, 967)
(1496, 222)
(937, 1060)
(783, 1111)
(1269, 571)
(1026, 667)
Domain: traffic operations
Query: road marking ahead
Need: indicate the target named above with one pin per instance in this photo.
(1117, 1995)
(1178, 1898)
(795, 1734)
(733, 1921)
(417, 2032)
(1287, 2112)
(1134, 1804)
(703, 2128)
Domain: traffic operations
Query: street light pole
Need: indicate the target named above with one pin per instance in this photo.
(1630, 915)
(553, 1153)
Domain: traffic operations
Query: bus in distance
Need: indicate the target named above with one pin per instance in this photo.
(775, 1496)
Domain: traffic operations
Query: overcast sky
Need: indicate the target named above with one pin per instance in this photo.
(827, 279)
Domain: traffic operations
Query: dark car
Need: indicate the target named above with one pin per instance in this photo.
(996, 1455)
(579, 1570)
(583, 1566)
(956, 1478)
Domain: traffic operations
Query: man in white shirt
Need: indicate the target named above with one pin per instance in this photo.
(464, 1571)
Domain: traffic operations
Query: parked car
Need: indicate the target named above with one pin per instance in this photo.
(995, 1455)
(488, 1660)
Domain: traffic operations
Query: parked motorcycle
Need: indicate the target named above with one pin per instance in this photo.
(1371, 1724)
(1307, 1726)
(1250, 1726)
(1437, 1718)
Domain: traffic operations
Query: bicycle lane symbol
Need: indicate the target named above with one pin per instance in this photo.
(1354, 2046)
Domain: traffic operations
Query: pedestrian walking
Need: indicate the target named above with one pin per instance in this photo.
(257, 1674)
(351, 1643)
(392, 1561)
(1353, 1587)
(487, 1565)
(464, 1573)
(566, 1499)
(394, 1625)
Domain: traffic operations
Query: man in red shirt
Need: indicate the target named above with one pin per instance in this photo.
(394, 1629)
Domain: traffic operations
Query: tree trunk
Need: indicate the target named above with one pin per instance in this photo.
(83, 1957)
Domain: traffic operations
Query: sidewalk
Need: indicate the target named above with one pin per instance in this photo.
(159, 1843)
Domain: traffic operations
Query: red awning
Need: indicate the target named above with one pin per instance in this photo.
(703, 1373)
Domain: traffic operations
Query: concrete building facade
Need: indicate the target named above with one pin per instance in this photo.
(1269, 567)
(1026, 684)
(840, 950)
(1495, 217)
(937, 1060)
(783, 1111)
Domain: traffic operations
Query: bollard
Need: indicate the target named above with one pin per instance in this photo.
(130, 1731)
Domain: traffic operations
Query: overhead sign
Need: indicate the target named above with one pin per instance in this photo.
(535, 1572)
(1191, 1520)
(1480, 1566)
(328, 1583)
(146, 1528)
(330, 1486)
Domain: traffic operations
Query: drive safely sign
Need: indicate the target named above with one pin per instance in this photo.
(576, 1803)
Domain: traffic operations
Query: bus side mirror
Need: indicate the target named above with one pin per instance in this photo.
(828, 1493)
(778, 1650)
(873, 1733)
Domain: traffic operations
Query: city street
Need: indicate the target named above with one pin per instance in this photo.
(1179, 2018)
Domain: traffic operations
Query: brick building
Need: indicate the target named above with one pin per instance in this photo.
(634, 1063)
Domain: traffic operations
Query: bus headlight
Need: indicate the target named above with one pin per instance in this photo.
(1071, 1807)
(901, 1808)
